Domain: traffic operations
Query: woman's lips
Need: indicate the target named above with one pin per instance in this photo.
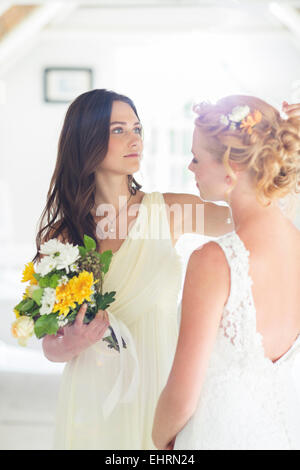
(132, 155)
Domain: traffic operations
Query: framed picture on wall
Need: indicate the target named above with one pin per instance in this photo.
(64, 84)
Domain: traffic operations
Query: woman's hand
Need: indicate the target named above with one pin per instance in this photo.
(75, 338)
(291, 110)
(79, 336)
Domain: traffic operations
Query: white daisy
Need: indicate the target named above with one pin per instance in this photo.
(68, 255)
(46, 265)
(48, 301)
(51, 247)
(62, 321)
(63, 280)
(74, 268)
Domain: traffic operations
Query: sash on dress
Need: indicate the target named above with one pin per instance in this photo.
(124, 389)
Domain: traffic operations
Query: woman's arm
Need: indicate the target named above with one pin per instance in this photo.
(205, 292)
(189, 214)
(75, 338)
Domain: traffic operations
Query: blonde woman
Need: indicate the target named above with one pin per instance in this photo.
(231, 385)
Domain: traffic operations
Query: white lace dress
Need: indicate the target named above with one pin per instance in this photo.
(247, 401)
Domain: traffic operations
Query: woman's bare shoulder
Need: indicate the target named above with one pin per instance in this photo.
(181, 198)
(209, 256)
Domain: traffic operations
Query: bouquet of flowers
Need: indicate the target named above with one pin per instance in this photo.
(65, 277)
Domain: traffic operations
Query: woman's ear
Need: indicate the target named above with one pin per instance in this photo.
(228, 179)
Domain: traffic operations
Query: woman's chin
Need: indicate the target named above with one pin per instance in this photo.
(134, 166)
(207, 197)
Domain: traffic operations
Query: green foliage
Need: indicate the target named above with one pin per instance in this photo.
(90, 246)
(37, 276)
(105, 259)
(50, 280)
(35, 312)
(112, 341)
(111, 344)
(20, 304)
(37, 295)
(89, 243)
(103, 301)
(46, 325)
(82, 251)
(44, 282)
(54, 279)
(25, 306)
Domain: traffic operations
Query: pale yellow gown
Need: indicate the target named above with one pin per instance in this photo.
(107, 401)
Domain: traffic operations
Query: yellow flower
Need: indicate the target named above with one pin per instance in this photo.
(65, 299)
(78, 289)
(81, 286)
(17, 313)
(28, 274)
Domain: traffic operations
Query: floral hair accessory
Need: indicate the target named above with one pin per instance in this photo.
(241, 118)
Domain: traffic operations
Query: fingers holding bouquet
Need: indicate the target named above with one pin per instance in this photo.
(94, 330)
(78, 336)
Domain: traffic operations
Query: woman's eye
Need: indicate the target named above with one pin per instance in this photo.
(117, 130)
(195, 160)
(138, 130)
(120, 130)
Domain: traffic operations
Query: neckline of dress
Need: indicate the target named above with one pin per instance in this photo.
(258, 334)
(131, 228)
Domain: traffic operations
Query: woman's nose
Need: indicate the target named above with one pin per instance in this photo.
(190, 167)
(134, 140)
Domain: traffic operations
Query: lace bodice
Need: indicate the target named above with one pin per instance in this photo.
(239, 314)
(238, 322)
(247, 401)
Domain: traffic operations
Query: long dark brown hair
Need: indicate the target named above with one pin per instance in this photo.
(83, 144)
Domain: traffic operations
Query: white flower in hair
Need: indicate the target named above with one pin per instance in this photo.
(224, 120)
(239, 113)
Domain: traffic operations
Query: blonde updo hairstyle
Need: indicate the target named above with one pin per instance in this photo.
(271, 152)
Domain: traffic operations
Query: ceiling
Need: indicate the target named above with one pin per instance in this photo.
(21, 21)
(157, 3)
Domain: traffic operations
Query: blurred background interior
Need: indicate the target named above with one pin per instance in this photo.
(164, 54)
